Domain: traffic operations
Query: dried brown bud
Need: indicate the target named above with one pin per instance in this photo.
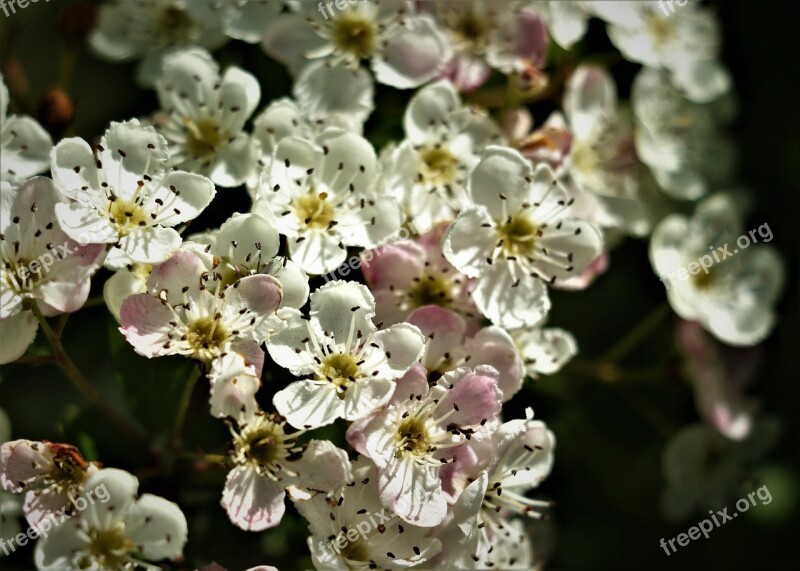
(77, 20)
(56, 111)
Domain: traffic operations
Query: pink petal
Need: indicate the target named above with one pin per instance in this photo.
(252, 502)
(475, 393)
(444, 329)
(145, 324)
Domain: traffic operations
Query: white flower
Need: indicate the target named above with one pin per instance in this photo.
(567, 20)
(711, 278)
(405, 49)
(321, 196)
(124, 195)
(685, 42)
(125, 282)
(38, 263)
(267, 461)
(516, 237)
(152, 29)
(248, 20)
(351, 529)
(10, 503)
(189, 311)
(234, 384)
(413, 438)
(352, 366)
(116, 534)
(204, 116)
(427, 172)
(24, 145)
(544, 350)
(680, 141)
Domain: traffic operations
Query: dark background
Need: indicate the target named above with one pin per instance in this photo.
(610, 436)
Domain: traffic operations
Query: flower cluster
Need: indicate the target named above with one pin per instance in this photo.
(415, 363)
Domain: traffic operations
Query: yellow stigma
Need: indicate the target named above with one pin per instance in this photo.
(262, 442)
(354, 34)
(438, 166)
(203, 136)
(341, 370)
(126, 216)
(472, 30)
(205, 336)
(314, 210)
(519, 236)
(108, 548)
(411, 437)
(174, 24)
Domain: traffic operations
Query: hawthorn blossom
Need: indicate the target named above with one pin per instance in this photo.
(204, 115)
(711, 278)
(50, 475)
(38, 263)
(152, 29)
(189, 311)
(450, 346)
(405, 49)
(10, 504)
(517, 236)
(427, 172)
(413, 438)
(120, 533)
(407, 274)
(24, 144)
(680, 141)
(684, 42)
(248, 20)
(544, 350)
(267, 461)
(567, 20)
(351, 365)
(125, 282)
(378, 540)
(321, 196)
(234, 384)
(124, 195)
(509, 36)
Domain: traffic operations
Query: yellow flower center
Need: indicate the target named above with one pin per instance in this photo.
(411, 437)
(174, 24)
(341, 370)
(205, 336)
(354, 34)
(314, 210)
(126, 216)
(203, 136)
(108, 548)
(438, 166)
(519, 236)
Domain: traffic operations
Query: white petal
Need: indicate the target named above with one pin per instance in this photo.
(428, 109)
(185, 196)
(309, 404)
(507, 306)
(17, 333)
(151, 245)
(338, 305)
(253, 502)
(157, 527)
(323, 91)
(468, 242)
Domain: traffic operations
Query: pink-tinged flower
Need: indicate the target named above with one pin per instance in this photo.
(188, 312)
(719, 374)
(125, 195)
(38, 263)
(550, 143)
(450, 346)
(405, 49)
(518, 235)
(413, 438)
(408, 274)
(268, 461)
(352, 529)
(50, 475)
(490, 480)
(506, 36)
(24, 144)
(119, 530)
(234, 384)
(350, 365)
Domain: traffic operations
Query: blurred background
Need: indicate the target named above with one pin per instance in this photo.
(613, 411)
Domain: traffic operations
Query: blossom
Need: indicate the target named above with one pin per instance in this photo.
(234, 383)
(125, 282)
(567, 20)
(152, 29)
(248, 20)
(405, 49)
(321, 196)
(427, 172)
(24, 145)
(124, 195)
(351, 529)
(189, 311)
(50, 475)
(115, 534)
(407, 274)
(684, 42)
(544, 350)
(711, 278)
(351, 364)
(680, 141)
(509, 36)
(38, 263)
(10, 504)
(517, 236)
(414, 437)
(267, 461)
(204, 115)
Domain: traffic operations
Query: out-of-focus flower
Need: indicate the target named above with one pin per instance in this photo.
(507, 35)
(322, 197)
(516, 237)
(204, 115)
(709, 279)
(38, 263)
(24, 144)
(351, 364)
(408, 274)
(567, 20)
(152, 29)
(544, 350)
(427, 172)
(679, 140)
(116, 534)
(685, 42)
(248, 20)
(125, 195)
(10, 503)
